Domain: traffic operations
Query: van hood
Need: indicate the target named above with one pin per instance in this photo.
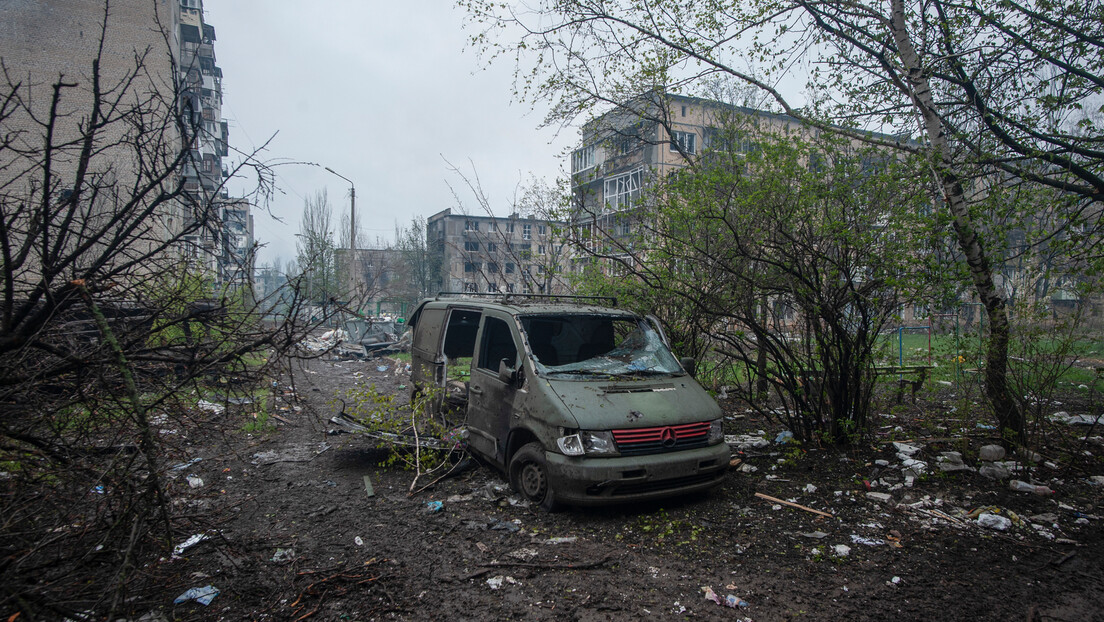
(611, 405)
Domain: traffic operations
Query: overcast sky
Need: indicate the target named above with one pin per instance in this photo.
(381, 92)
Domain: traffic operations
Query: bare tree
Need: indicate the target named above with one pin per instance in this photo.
(107, 326)
(316, 248)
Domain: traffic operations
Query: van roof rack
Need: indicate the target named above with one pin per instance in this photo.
(508, 298)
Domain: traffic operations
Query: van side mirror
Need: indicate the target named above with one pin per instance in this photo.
(690, 364)
(506, 374)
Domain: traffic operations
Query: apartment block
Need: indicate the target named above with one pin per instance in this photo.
(489, 254)
(223, 249)
(157, 56)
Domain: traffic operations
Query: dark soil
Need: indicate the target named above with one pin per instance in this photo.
(483, 555)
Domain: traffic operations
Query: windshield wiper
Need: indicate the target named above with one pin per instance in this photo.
(579, 372)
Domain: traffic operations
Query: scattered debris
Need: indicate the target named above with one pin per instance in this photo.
(816, 535)
(809, 488)
(195, 481)
(179, 549)
(748, 441)
(184, 465)
(283, 555)
(991, 453)
(730, 600)
(1021, 486)
(880, 497)
(523, 554)
(434, 506)
(906, 450)
(994, 521)
(202, 595)
(857, 539)
(995, 471)
(562, 540)
(211, 407)
(951, 462)
(841, 550)
(359, 541)
(783, 437)
(293, 453)
(368, 486)
(496, 582)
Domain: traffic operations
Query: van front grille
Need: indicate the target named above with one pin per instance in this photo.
(639, 441)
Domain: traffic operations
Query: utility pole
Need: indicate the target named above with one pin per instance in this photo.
(352, 235)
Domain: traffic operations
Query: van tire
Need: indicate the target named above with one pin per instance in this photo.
(529, 477)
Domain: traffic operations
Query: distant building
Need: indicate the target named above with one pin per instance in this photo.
(378, 280)
(488, 254)
(235, 259)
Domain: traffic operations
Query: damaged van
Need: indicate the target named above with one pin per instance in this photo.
(576, 401)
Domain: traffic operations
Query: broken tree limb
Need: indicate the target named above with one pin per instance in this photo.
(792, 504)
(490, 566)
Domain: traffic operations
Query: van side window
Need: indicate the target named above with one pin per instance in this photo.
(497, 344)
(460, 333)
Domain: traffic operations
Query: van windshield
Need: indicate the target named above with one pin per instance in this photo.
(597, 345)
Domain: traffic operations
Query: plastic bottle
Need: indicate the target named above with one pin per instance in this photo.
(1021, 486)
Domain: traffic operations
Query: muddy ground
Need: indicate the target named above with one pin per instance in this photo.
(295, 535)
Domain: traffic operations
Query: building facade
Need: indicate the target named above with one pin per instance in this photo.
(624, 152)
(223, 249)
(488, 254)
(156, 58)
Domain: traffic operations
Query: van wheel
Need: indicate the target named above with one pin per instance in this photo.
(529, 476)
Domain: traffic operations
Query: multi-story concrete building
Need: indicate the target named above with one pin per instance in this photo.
(157, 58)
(224, 248)
(378, 280)
(43, 44)
(235, 259)
(625, 151)
(488, 254)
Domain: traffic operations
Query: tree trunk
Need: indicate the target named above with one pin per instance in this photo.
(969, 241)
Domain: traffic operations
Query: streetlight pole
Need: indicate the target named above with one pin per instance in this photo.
(352, 233)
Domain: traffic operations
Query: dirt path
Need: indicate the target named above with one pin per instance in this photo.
(296, 536)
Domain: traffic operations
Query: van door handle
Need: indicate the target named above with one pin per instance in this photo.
(476, 390)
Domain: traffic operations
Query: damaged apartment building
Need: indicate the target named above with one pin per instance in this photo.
(495, 255)
(623, 152)
(224, 249)
(160, 48)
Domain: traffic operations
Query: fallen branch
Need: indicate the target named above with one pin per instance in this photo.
(792, 504)
(490, 566)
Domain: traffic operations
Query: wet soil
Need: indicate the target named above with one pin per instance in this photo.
(294, 534)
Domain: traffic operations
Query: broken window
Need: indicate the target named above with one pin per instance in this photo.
(598, 345)
(497, 345)
(622, 190)
(460, 333)
(686, 142)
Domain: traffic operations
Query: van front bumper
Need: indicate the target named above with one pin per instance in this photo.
(588, 480)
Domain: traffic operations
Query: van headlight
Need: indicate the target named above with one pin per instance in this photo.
(716, 432)
(587, 442)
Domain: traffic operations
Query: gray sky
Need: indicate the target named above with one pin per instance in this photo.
(382, 93)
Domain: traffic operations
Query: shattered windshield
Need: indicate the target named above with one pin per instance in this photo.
(597, 345)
